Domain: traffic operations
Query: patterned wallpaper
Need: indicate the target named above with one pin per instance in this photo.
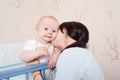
(102, 17)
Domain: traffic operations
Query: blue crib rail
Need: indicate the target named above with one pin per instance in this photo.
(6, 74)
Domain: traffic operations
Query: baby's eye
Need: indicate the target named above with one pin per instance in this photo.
(46, 28)
(54, 31)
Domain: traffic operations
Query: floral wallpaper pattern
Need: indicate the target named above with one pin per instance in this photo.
(102, 17)
(113, 52)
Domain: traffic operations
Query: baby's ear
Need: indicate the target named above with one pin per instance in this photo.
(36, 27)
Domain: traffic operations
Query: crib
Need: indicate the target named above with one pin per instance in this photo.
(11, 68)
(23, 72)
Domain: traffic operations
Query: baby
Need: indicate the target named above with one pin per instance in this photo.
(39, 49)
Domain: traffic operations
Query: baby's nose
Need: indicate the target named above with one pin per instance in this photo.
(50, 32)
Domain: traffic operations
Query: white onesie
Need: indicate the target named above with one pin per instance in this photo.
(32, 44)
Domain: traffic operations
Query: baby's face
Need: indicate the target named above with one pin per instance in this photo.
(47, 29)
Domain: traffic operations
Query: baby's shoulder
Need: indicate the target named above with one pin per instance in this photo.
(31, 40)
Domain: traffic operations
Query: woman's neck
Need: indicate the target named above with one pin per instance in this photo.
(70, 41)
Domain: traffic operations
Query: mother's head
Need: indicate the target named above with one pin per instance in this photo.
(71, 34)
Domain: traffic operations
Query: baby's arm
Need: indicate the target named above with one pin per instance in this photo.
(53, 59)
(36, 75)
(32, 57)
(27, 56)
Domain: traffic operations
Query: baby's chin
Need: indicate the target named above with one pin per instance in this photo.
(53, 42)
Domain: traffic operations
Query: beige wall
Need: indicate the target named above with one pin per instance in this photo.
(102, 17)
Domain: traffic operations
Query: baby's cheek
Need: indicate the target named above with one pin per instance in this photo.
(54, 37)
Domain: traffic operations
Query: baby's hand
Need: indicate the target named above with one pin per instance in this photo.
(36, 61)
(56, 51)
(52, 62)
(53, 59)
(43, 51)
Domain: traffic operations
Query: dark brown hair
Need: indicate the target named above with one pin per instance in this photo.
(76, 31)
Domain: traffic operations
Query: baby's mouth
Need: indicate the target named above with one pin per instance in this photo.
(49, 37)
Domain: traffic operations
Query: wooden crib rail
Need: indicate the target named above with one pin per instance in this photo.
(7, 74)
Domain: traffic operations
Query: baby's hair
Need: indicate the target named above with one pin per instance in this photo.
(48, 17)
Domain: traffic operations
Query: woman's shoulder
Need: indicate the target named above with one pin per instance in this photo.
(77, 52)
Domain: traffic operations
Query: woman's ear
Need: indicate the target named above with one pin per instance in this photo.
(69, 40)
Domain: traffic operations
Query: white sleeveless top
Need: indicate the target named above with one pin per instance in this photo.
(32, 44)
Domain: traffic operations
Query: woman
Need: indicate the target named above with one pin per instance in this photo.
(75, 62)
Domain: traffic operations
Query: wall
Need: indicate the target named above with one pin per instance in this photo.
(102, 17)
